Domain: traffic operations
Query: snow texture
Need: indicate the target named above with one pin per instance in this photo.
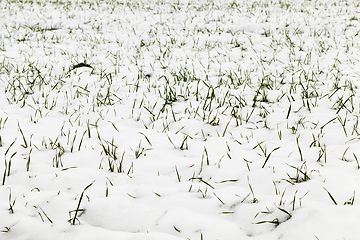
(175, 120)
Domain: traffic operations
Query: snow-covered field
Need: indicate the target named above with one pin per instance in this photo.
(169, 119)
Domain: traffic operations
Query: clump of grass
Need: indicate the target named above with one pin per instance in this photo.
(11, 203)
(7, 168)
(78, 209)
(301, 175)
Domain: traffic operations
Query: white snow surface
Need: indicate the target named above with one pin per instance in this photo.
(198, 119)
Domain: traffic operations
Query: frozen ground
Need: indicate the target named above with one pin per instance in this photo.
(171, 120)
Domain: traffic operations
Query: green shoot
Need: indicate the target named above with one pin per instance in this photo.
(78, 209)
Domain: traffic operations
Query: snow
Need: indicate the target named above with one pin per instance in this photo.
(214, 120)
